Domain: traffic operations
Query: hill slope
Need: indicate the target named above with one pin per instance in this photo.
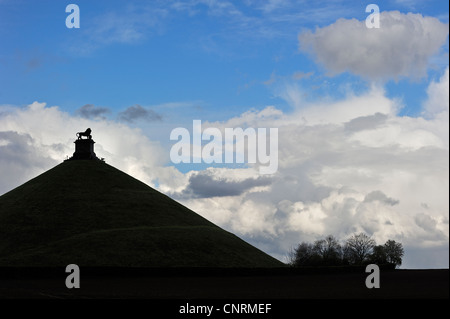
(90, 213)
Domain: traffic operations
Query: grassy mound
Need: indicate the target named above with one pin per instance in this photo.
(90, 213)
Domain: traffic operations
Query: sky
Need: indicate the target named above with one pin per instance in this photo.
(362, 113)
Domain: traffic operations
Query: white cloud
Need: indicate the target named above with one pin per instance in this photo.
(206, 184)
(402, 46)
(437, 104)
(20, 159)
(426, 222)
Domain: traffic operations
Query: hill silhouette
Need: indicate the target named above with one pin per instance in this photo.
(89, 213)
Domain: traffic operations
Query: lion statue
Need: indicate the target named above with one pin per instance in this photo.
(87, 133)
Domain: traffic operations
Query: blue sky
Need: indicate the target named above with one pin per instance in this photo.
(156, 52)
(358, 110)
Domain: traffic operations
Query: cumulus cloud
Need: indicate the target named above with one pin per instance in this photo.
(437, 103)
(425, 221)
(402, 46)
(205, 184)
(380, 196)
(137, 112)
(366, 122)
(21, 158)
(90, 111)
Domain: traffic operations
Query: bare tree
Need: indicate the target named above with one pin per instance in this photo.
(333, 248)
(304, 254)
(358, 248)
(329, 250)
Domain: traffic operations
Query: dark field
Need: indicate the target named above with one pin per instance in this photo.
(164, 293)
(224, 284)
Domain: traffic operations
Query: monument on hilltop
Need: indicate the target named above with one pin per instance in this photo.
(84, 148)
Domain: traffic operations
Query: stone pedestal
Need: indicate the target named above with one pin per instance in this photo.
(84, 150)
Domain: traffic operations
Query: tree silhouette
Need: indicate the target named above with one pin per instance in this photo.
(303, 255)
(358, 248)
(329, 250)
(394, 252)
(378, 255)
